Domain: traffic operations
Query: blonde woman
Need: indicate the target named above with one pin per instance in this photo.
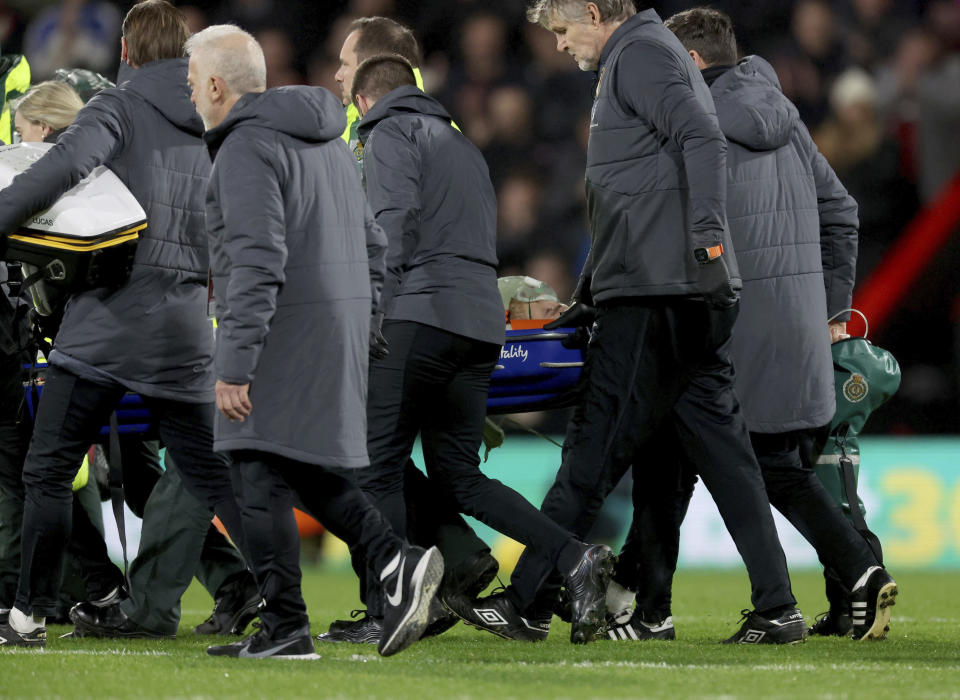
(45, 111)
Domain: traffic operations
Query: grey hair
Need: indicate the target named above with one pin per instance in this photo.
(233, 55)
(540, 11)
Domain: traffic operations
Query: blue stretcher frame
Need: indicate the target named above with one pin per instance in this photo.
(536, 372)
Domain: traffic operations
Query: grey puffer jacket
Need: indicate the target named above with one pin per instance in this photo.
(794, 228)
(152, 334)
(294, 251)
(655, 166)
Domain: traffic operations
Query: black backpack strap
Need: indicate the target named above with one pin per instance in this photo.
(116, 490)
(849, 478)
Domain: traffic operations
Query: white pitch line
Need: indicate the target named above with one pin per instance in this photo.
(781, 668)
(89, 652)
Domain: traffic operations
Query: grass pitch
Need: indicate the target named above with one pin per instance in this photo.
(921, 658)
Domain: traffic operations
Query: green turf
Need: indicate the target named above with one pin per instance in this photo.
(920, 659)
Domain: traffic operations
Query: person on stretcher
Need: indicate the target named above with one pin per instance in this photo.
(528, 302)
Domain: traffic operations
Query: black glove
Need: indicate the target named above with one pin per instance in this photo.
(577, 316)
(717, 288)
(378, 344)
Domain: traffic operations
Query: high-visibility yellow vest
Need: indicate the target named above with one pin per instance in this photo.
(16, 82)
(353, 119)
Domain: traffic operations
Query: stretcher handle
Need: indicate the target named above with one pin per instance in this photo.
(560, 365)
(539, 336)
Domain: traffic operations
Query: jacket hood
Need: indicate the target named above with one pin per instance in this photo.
(306, 113)
(403, 100)
(751, 108)
(164, 85)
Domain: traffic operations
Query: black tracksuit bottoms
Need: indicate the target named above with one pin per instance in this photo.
(648, 559)
(268, 487)
(434, 383)
(71, 413)
(653, 360)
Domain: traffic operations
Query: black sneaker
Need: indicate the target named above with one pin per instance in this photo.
(259, 646)
(408, 582)
(831, 624)
(586, 588)
(468, 580)
(115, 595)
(439, 619)
(338, 625)
(638, 630)
(470, 577)
(9, 637)
(789, 628)
(236, 605)
(870, 604)
(366, 630)
(109, 622)
(497, 614)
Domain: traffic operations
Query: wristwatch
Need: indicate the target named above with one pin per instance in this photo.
(705, 255)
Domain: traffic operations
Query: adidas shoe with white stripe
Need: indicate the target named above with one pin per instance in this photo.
(637, 630)
(870, 603)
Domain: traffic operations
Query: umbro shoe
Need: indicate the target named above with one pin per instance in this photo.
(586, 587)
(260, 646)
(9, 637)
(832, 624)
(366, 630)
(637, 630)
(789, 628)
(236, 605)
(497, 614)
(870, 604)
(409, 582)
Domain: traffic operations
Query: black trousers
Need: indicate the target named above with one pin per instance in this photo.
(648, 559)
(268, 486)
(650, 361)
(432, 520)
(435, 383)
(14, 439)
(69, 418)
(794, 489)
(87, 558)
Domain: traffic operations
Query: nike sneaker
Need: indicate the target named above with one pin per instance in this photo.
(409, 582)
(260, 646)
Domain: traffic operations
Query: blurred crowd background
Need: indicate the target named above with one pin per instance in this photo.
(877, 82)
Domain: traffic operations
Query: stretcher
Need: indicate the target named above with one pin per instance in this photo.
(133, 418)
(538, 370)
(86, 240)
